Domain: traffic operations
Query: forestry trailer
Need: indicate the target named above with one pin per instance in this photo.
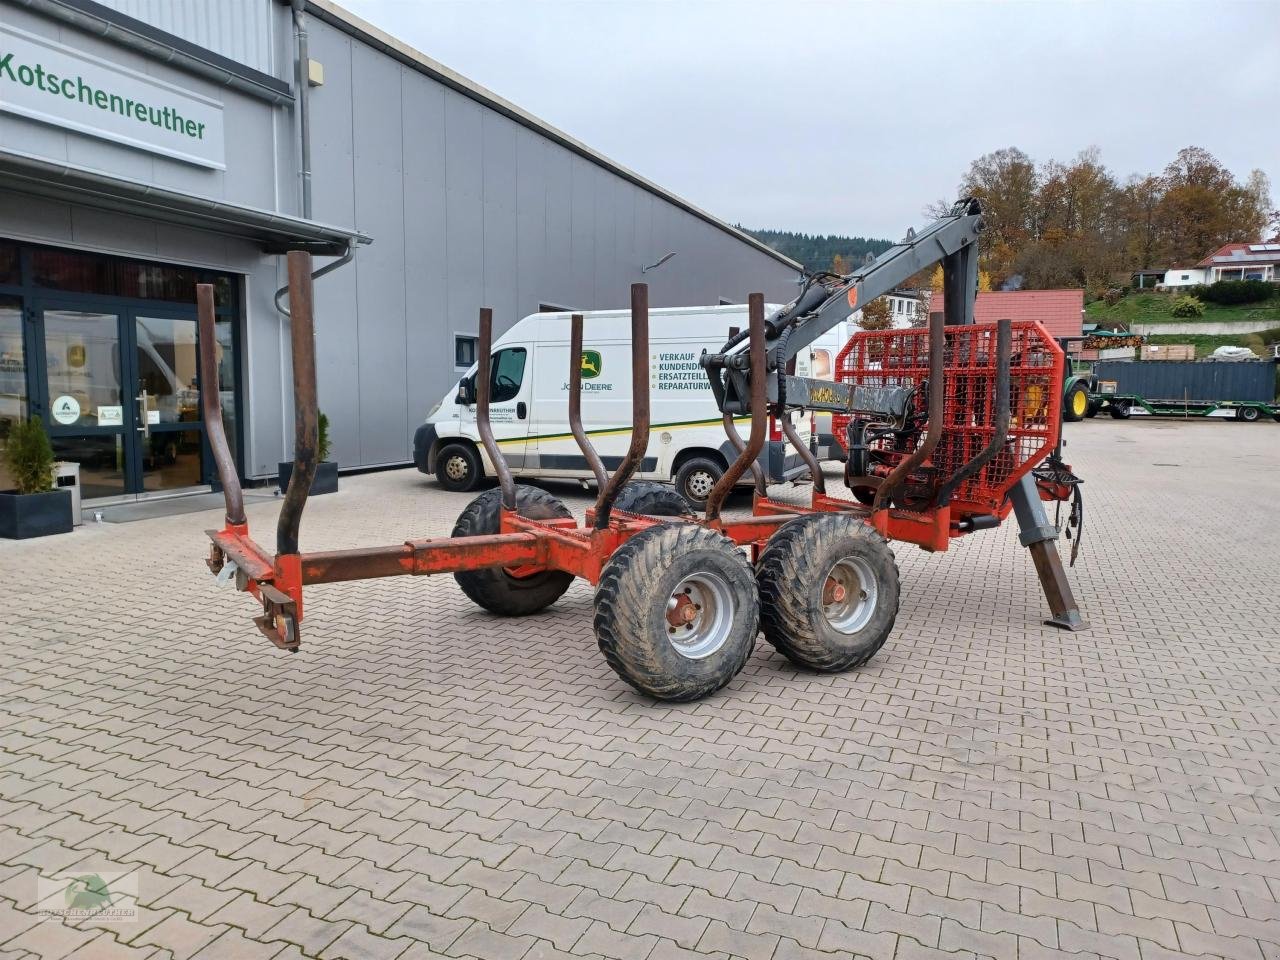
(950, 430)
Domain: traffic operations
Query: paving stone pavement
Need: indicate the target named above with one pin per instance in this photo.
(426, 780)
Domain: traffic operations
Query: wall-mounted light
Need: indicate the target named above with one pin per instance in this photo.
(655, 266)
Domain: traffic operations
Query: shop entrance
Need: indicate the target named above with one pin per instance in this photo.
(116, 379)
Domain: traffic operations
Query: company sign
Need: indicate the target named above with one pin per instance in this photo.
(56, 84)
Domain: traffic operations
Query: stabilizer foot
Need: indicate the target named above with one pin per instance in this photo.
(1071, 620)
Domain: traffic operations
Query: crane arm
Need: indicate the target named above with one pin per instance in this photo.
(827, 299)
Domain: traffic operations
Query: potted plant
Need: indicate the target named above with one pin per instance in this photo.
(326, 478)
(36, 508)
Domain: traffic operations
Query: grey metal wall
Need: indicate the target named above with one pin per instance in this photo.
(240, 30)
(468, 209)
(1197, 380)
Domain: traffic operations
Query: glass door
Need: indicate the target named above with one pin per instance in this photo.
(90, 417)
(123, 397)
(168, 430)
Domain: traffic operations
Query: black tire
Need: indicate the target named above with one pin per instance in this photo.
(1120, 411)
(695, 478)
(1095, 407)
(652, 499)
(1248, 414)
(458, 467)
(864, 495)
(645, 578)
(1075, 405)
(495, 589)
(798, 566)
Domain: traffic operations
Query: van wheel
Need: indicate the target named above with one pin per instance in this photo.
(695, 479)
(458, 467)
(1119, 410)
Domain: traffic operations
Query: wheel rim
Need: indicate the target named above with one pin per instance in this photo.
(699, 615)
(1079, 403)
(455, 467)
(849, 594)
(700, 484)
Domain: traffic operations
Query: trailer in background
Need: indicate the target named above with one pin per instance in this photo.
(1240, 390)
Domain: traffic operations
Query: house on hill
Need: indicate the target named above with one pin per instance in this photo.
(1243, 261)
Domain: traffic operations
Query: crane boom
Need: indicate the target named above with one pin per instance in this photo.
(827, 299)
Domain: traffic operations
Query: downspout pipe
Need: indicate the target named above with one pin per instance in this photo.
(303, 76)
(329, 267)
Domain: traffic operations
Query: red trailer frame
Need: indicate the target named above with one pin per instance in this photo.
(526, 547)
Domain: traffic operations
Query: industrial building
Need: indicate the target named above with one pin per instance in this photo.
(146, 146)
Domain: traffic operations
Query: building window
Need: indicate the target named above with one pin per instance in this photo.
(1186, 276)
(464, 350)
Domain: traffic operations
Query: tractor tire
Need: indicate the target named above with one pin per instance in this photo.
(1075, 406)
(1119, 411)
(803, 616)
(494, 588)
(652, 499)
(1095, 407)
(695, 478)
(1248, 414)
(677, 611)
(458, 467)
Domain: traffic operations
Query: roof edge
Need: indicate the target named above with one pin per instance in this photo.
(361, 29)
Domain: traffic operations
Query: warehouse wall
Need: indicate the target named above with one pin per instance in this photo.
(467, 209)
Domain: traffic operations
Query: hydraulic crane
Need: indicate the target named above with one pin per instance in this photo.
(884, 397)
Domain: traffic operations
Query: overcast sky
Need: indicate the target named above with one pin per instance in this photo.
(845, 117)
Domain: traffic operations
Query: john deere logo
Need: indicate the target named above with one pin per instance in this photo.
(591, 364)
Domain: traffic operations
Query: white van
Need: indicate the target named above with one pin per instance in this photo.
(821, 356)
(529, 406)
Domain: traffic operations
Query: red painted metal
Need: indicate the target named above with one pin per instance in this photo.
(901, 357)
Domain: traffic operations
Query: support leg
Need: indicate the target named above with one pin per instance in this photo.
(1037, 534)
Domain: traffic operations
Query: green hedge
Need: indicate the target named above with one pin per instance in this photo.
(1231, 292)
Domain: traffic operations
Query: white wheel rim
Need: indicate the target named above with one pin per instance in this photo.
(699, 615)
(849, 594)
(455, 467)
(700, 484)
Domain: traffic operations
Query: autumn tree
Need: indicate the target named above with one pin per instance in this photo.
(839, 265)
(876, 315)
(1074, 224)
(1006, 183)
(1203, 207)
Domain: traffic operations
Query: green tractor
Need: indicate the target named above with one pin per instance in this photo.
(1079, 386)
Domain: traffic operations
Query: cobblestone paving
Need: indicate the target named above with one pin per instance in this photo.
(426, 780)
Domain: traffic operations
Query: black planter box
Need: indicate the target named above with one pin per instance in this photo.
(326, 478)
(25, 515)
